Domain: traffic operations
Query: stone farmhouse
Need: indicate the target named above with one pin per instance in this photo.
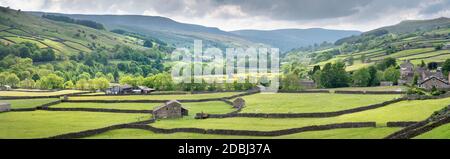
(127, 89)
(426, 78)
(4, 107)
(171, 109)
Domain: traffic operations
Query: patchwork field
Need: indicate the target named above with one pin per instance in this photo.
(442, 132)
(354, 133)
(22, 93)
(304, 103)
(43, 123)
(28, 103)
(156, 97)
(40, 124)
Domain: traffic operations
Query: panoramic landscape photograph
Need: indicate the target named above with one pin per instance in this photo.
(225, 69)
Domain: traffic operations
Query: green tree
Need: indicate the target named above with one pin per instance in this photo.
(333, 76)
(290, 82)
(51, 81)
(82, 84)
(361, 77)
(374, 79)
(12, 80)
(391, 74)
(69, 85)
(27, 83)
(446, 67)
(386, 63)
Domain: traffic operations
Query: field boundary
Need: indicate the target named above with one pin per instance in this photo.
(282, 132)
(162, 101)
(100, 110)
(320, 114)
(40, 107)
(93, 132)
(306, 115)
(439, 118)
(39, 97)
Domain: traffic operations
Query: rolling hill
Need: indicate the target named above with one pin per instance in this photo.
(287, 39)
(413, 40)
(182, 34)
(63, 38)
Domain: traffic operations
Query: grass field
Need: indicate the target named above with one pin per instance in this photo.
(354, 133)
(379, 88)
(18, 93)
(157, 97)
(39, 124)
(28, 103)
(405, 53)
(442, 132)
(402, 111)
(309, 102)
(122, 106)
(213, 107)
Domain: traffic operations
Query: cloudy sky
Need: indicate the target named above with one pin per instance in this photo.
(228, 15)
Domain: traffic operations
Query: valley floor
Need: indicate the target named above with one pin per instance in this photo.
(65, 118)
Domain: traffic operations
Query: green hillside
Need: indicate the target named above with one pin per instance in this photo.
(409, 40)
(36, 51)
(63, 38)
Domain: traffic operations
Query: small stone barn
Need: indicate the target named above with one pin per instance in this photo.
(171, 109)
(435, 82)
(239, 103)
(4, 107)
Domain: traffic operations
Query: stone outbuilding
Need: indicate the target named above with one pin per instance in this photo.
(386, 83)
(238, 103)
(434, 82)
(5, 107)
(171, 109)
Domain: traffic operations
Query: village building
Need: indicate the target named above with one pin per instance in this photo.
(171, 109)
(4, 107)
(425, 78)
(386, 83)
(238, 103)
(5, 88)
(127, 89)
(434, 82)
(307, 84)
(446, 46)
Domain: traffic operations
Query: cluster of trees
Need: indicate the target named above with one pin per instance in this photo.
(164, 81)
(28, 50)
(87, 23)
(334, 75)
(17, 60)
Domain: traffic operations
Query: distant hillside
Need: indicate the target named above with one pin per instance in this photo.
(182, 34)
(287, 39)
(418, 25)
(408, 26)
(413, 40)
(165, 29)
(63, 38)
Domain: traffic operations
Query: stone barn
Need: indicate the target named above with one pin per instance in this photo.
(171, 109)
(434, 82)
(239, 103)
(4, 107)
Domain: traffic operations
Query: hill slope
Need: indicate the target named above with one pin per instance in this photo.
(287, 39)
(64, 38)
(182, 34)
(165, 29)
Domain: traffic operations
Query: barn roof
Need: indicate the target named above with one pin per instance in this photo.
(431, 77)
(167, 104)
